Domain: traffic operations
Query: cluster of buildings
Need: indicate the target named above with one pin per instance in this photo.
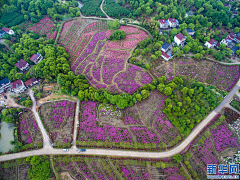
(179, 39)
(230, 41)
(5, 30)
(24, 66)
(171, 22)
(19, 86)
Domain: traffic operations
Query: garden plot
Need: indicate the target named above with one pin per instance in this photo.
(92, 167)
(28, 129)
(209, 147)
(45, 27)
(14, 170)
(58, 119)
(230, 115)
(221, 76)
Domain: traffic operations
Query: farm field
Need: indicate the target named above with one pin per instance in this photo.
(221, 76)
(217, 141)
(26, 168)
(104, 124)
(28, 129)
(82, 167)
(103, 62)
(44, 27)
(58, 119)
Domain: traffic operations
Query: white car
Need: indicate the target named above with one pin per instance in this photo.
(65, 150)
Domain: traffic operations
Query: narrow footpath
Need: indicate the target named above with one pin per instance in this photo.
(76, 124)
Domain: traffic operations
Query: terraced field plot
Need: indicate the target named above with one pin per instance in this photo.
(45, 26)
(221, 76)
(104, 123)
(103, 62)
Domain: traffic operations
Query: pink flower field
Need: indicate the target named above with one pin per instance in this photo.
(221, 76)
(28, 128)
(44, 27)
(86, 42)
(58, 119)
(131, 125)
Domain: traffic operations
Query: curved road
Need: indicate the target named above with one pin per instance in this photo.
(50, 151)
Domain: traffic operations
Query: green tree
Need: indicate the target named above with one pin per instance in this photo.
(177, 158)
(167, 91)
(198, 56)
(138, 97)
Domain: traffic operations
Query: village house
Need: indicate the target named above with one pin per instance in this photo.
(179, 39)
(211, 43)
(160, 31)
(18, 86)
(22, 65)
(173, 22)
(234, 50)
(227, 5)
(31, 82)
(234, 14)
(8, 31)
(237, 38)
(165, 56)
(163, 23)
(165, 47)
(2, 33)
(4, 84)
(190, 31)
(36, 58)
(228, 39)
(189, 13)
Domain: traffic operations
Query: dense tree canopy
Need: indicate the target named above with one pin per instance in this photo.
(14, 12)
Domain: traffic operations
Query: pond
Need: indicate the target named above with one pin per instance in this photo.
(6, 136)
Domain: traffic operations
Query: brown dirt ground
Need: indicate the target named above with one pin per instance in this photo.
(55, 97)
(47, 88)
(65, 176)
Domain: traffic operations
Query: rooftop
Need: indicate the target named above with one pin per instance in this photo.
(20, 64)
(189, 30)
(6, 29)
(33, 57)
(172, 20)
(180, 36)
(162, 21)
(234, 49)
(4, 81)
(16, 83)
(165, 45)
(165, 55)
(30, 81)
(212, 41)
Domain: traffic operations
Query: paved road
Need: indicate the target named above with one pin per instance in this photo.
(46, 139)
(93, 17)
(76, 124)
(103, 10)
(46, 150)
(224, 63)
(133, 25)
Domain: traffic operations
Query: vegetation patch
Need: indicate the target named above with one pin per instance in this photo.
(108, 109)
(58, 119)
